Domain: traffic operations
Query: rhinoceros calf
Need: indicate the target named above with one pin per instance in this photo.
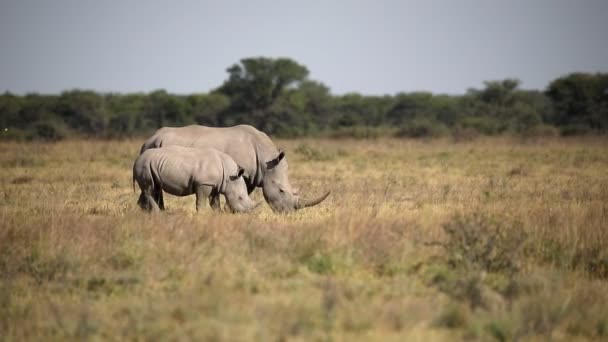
(265, 165)
(183, 171)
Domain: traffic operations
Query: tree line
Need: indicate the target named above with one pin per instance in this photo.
(276, 96)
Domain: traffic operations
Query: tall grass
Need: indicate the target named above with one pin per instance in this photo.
(420, 240)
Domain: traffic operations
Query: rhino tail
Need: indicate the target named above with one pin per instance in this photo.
(133, 177)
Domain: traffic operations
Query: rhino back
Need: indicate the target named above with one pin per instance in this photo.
(179, 169)
(248, 147)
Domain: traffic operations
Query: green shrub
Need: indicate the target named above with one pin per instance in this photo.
(49, 130)
(321, 263)
(575, 129)
(14, 134)
(482, 124)
(310, 153)
(593, 260)
(541, 131)
(360, 132)
(500, 330)
(454, 316)
(484, 243)
(463, 134)
(421, 128)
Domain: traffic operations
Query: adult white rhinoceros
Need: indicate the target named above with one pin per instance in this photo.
(183, 171)
(265, 165)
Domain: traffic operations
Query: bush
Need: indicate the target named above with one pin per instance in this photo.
(541, 131)
(593, 260)
(454, 316)
(359, 132)
(484, 125)
(462, 134)
(421, 127)
(311, 153)
(13, 134)
(575, 129)
(49, 130)
(478, 242)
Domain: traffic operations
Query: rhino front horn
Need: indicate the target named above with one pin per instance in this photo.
(304, 203)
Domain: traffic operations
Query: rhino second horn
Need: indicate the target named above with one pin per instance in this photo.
(304, 203)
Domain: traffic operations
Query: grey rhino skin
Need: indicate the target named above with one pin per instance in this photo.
(265, 165)
(183, 171)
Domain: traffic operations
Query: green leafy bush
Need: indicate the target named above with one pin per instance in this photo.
(422, 128)
(49, 130)
(575, 129)
(484, 243)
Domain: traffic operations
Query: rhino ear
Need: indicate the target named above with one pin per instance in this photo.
(240, 171)
(281, 155)
(276, 160)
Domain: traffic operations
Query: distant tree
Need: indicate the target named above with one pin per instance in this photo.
(496, 98)
(10, 107)
(580, 100)
(528, 111)
(290, 115)
(126, 114)
(499, 93)
(206, 109)
(502, 107)
(36, 107)
(425, 109)
(354, 109)
(83, 110)
(255, 84)
(408, 107)
(347, 110)
(447, 109)
(317, 103)
(162, 109)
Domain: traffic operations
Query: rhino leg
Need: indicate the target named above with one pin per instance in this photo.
(203, 192)
(152, 205)
(142, 201)
(160, 199)
(214, 201)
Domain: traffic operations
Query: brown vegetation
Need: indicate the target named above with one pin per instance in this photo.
(420, 240)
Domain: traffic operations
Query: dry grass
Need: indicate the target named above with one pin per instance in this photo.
(420, 240)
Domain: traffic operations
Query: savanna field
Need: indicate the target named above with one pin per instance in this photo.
(420, 240)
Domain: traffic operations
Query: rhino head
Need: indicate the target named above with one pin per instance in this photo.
(278, 192)
(237, 198)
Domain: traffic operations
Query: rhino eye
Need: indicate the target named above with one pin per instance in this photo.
(281, 190)
(240, 197)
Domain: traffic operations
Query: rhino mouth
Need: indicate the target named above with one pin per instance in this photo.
(230, 209)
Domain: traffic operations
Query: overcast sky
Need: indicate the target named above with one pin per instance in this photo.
(371, 47)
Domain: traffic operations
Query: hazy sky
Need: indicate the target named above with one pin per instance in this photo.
(372, 47)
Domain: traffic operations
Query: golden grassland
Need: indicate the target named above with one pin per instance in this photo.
(492, 239)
